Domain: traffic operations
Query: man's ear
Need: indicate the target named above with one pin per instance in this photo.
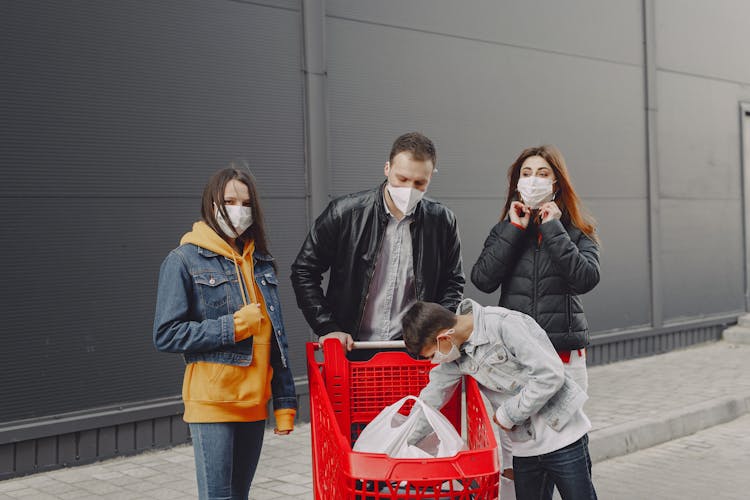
(387, 168)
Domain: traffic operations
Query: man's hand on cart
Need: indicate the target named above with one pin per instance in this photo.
(346, 340)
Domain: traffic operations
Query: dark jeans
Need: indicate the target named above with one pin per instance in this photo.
(226, 455)
(568, 468)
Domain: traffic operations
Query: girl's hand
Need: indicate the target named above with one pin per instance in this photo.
(520, 214)
(549, 211)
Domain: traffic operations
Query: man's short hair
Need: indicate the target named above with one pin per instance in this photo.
(422, 322)
(420, 147)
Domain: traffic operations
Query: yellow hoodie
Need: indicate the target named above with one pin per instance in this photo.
(214, 392)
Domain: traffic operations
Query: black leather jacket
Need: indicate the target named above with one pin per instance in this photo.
(542, 279)
(346, 239)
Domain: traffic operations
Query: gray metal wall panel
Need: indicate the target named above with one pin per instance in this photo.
(137, 97)
(481, 104)
(700, 184)
(540, 24)
(704, 38)
(701, 260)
(623, 297)
(699, 137)
(114, 116)
(287, 228)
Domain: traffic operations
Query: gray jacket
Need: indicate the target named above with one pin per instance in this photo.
(519, 371)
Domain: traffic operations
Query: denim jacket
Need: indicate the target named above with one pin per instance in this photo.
(197, 296)
(516, 367)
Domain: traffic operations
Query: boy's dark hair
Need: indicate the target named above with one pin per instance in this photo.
(422, 322)
(420, 147)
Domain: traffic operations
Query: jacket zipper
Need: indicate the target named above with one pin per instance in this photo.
(416, 259)
(534, 283)
(371, 271)
(569, 309)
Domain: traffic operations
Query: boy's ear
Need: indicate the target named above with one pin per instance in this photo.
(445, 334)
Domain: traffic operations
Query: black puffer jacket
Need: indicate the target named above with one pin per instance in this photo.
(542, 278)
(346, 239)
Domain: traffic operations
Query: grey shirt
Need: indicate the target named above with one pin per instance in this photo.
(392, 290)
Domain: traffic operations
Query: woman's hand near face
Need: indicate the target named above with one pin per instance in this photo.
(549, 211)
(520, 214)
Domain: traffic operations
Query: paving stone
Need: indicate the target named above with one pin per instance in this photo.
(703, 465)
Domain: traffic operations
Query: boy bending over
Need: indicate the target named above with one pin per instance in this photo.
(516, 367)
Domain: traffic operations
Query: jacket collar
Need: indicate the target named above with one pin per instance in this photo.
(478, 335)
(256, 254)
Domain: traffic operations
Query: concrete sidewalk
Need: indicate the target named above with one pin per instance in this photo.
(633, 405)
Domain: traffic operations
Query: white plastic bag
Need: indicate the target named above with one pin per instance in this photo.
(389, 433)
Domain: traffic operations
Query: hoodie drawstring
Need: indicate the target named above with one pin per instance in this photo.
(239, 279)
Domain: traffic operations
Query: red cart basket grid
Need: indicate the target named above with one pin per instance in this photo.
(346, 395)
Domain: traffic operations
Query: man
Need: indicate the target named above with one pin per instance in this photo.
(384, 249)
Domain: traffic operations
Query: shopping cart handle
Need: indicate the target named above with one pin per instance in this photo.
(383, 344)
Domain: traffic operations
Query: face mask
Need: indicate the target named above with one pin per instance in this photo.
(452, 355)
(240, 217)
(405, 198)
(535, 191)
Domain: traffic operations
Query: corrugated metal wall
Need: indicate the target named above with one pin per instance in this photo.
(485, 80)
(702, 76)
(114, 114)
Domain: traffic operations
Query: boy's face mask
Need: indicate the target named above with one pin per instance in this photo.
(453, 354)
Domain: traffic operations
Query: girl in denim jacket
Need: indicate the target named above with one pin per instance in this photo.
(218, 305)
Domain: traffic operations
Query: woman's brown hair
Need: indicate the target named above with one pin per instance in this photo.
(572, 209)
(213, 193)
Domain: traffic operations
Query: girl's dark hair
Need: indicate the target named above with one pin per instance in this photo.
(566, 198)
(422, 322)
(213, 193)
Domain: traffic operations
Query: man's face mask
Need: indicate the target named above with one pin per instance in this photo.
(405, 198)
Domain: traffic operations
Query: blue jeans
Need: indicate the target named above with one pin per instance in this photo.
(226, 455)
(568, 468)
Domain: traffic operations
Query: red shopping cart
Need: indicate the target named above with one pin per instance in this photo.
(346, 395)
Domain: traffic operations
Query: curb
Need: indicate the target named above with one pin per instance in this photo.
(626, 438)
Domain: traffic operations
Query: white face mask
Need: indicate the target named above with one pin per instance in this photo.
(535, 190)
(240, 217)
(405, 198)
(452, 355)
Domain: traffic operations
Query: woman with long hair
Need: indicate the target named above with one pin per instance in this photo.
(218, 305)
(543, 254)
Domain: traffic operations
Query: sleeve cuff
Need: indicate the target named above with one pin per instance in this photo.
(504, 420)
(519, 226)
(285, 419)
(246, 322)
(326, 328)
